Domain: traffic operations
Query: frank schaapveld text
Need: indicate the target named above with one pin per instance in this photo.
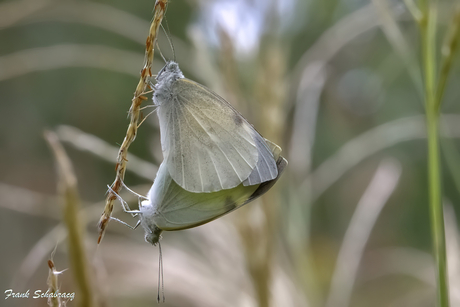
(39, 294)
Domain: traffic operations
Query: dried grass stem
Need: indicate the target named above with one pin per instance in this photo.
(134, 111)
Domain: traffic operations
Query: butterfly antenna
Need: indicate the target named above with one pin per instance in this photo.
(168, 36)
(160, 276)
(161, 53)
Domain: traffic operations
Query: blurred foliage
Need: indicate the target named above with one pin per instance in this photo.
(316, 76)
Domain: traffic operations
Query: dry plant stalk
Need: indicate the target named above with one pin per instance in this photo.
(134, 111)
(258, 237)
(53, 301)
(270, 94)
(68, 190)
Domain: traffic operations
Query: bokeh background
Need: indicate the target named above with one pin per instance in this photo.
(335, 83)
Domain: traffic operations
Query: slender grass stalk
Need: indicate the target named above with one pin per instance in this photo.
(68, 189)
(105, 151)
(359, 229)
(436, 210)
(67, 55)
(135, 117)
(432, 107)
(396, 38)
(53, 285)
(448, 55)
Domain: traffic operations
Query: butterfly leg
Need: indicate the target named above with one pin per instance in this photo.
(126, 224)
(142, 121)
(149, 91)
(124, 204)
(137, 194)
(148, 106)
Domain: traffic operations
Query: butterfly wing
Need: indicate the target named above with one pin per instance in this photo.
(207, 145)
(174, 208)
(265, 169)
(180, 209)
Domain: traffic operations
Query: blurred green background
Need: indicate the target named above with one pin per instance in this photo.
(335, 83)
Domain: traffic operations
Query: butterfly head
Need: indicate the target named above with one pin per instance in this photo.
(152, 232)
(170, 70)
(165, 83)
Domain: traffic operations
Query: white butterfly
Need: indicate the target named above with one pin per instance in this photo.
(170, 207)
(214, 160)
(206, 143)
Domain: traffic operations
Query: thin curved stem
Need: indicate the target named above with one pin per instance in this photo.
(432, 107)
